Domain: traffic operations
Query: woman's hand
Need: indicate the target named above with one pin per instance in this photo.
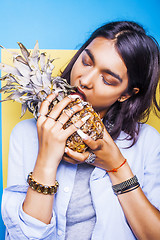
(52, 137)
(52, 140)
(108, 155)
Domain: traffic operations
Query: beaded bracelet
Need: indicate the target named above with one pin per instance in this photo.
(126, 186)
(40, 188)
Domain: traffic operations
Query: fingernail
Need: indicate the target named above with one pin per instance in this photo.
(80, 104)
(66, 150)
(73, 97)
(85, 118)
(84, 103)
(82, 134)
(56, 92)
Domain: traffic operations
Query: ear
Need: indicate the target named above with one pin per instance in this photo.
(125, 96)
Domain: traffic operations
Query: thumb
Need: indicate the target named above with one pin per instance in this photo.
(106, 136)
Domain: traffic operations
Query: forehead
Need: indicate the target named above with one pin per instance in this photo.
(105, 54)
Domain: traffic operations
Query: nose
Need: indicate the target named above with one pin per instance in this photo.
(87, 80)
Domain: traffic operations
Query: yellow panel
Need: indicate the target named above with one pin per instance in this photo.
(154, 121)
(11, 111)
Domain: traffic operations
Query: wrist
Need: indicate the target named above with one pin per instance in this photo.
(47, 161)
(48, 164)
(45, 174)
(123, 173)
(117, 168)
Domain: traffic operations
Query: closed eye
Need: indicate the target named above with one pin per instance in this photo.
(85, 62)
(110, 82)
(107, 83)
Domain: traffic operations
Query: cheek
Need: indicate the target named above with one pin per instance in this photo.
(73, 75)
(108, 95)
(71, 78)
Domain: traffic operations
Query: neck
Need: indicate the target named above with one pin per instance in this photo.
(102, 113)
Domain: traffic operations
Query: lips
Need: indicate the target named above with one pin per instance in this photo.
(81, 93)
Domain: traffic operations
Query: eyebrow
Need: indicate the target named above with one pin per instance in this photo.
(114, 75)
(105, 70)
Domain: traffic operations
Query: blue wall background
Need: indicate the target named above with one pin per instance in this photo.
(66, 24)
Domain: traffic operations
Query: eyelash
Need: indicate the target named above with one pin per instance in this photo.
(105, 82)
(86, 64)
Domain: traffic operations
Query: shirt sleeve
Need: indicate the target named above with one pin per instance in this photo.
(20, 225)
(151, 181)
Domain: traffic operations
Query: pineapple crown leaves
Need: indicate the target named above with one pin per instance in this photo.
(30, 81)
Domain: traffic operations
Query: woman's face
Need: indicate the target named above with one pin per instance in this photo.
(100, 74)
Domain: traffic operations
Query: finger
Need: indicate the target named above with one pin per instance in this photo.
(45, 108)
(80, 157)
(70, 160)
(94, 145)
(68, 113)
(106, 136)
(73, 128)
(58, 108)
(45, 104)
(41, 119)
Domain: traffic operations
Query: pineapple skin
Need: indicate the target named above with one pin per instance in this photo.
(93, 127)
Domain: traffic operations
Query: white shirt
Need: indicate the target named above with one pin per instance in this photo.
(143, 158)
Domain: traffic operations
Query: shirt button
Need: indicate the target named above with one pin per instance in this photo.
(66, 189)
(60, 232)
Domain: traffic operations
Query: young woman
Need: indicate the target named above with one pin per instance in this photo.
(112, 193)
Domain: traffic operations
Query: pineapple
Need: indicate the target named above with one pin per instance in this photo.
(30, 81)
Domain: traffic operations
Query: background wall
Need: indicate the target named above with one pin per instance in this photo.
(66, 25)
